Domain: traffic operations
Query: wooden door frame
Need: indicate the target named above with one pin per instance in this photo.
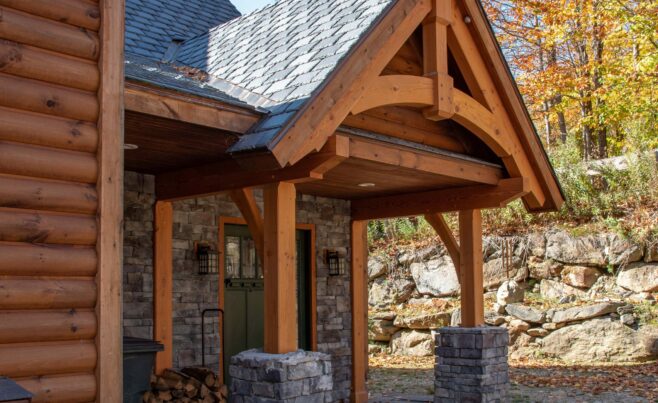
(224, 220)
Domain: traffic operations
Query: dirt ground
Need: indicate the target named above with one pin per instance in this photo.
(411, 379)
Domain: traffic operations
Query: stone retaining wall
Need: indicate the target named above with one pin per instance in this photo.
(197, 219)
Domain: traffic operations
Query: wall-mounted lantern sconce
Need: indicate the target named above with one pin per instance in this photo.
(207, 257)
(335, 262)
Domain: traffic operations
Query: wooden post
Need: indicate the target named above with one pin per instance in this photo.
(435, 59)
(163, 284)
(109, 246)
(472, 286)
(359, 311)
(280, 268)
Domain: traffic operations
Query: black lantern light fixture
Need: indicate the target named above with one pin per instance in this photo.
(335, 262)
(207, 257)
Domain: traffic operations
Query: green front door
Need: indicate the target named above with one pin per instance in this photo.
(243, 292)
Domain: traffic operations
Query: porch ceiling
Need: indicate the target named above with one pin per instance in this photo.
(166, 145)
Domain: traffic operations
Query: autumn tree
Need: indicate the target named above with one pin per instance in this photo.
(587, 68)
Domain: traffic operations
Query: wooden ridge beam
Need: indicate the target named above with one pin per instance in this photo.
(227, 175)
(171, 105)
(440, 201)
(246, 203)
(441, 227)
(450, 167)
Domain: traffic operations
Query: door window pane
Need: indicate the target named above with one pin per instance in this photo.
(232, 252)
(248, 258)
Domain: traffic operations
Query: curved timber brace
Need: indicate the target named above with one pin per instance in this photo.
(484, 115)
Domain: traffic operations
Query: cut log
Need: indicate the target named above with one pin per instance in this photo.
(30, 62)
(21, 327)
(47, 34)
(76, 388)
(81, 13)
(33, 227)
(164, 395)
(47, 294)
(46, 130)
(20, 259)
(204, 375)
(17, 360)
(42, 162)
(41, 97)
(19, 192)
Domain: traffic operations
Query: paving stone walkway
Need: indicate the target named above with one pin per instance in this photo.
(397, 385)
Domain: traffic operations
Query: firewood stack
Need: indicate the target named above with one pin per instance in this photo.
(192, 384)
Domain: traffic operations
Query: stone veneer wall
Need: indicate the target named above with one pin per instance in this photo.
(197, 219)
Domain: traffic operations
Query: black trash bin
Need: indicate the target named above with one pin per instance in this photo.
(138, 361)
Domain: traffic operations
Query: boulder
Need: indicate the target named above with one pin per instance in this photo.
(536, 244)
(423, 321)
(639, 277)
(509, 292)
(585, 250)
(556, 290)
(456, 317)
(384, 291)
(621, 251)
(603, 286)
(526, 313)
(409, 256)
(517, 326)
(413, 343)
(543, 269)
(553, 326)
(651, 252)
(436, 277)
(580, 276)
(598, 340)
(537, 332)
(381, 330)
(495, 274)
(493, 319)
(382, 315)
(627, 319)
(584, 312)
(377, 267)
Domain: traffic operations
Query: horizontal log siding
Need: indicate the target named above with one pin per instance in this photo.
(49, 169)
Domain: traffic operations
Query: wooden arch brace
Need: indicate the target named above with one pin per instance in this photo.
(246, 202)
(440, 225)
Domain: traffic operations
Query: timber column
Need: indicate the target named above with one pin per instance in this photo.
(280, 373)
(471, 361)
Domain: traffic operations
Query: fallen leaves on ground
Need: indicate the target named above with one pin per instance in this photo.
(638, 379)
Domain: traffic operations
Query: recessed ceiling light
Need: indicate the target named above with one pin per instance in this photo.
(130, 146)
(367, 185)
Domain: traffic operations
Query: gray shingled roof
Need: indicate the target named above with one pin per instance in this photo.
(283, 52)
(151, 25)
(163, 75)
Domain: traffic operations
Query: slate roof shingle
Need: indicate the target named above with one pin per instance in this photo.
(151, 25)
(283, 52)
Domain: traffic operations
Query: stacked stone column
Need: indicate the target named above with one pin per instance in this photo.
(471, 365)
(300, 377)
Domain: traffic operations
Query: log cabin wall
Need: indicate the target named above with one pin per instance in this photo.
(60, 177)
(197, 219)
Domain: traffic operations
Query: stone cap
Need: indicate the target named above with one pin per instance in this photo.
(256, 358)
(471, 330)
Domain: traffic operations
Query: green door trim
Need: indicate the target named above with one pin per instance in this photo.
(311, 289)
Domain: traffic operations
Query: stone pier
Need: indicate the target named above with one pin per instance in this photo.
(471, 365)
(301, 377)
